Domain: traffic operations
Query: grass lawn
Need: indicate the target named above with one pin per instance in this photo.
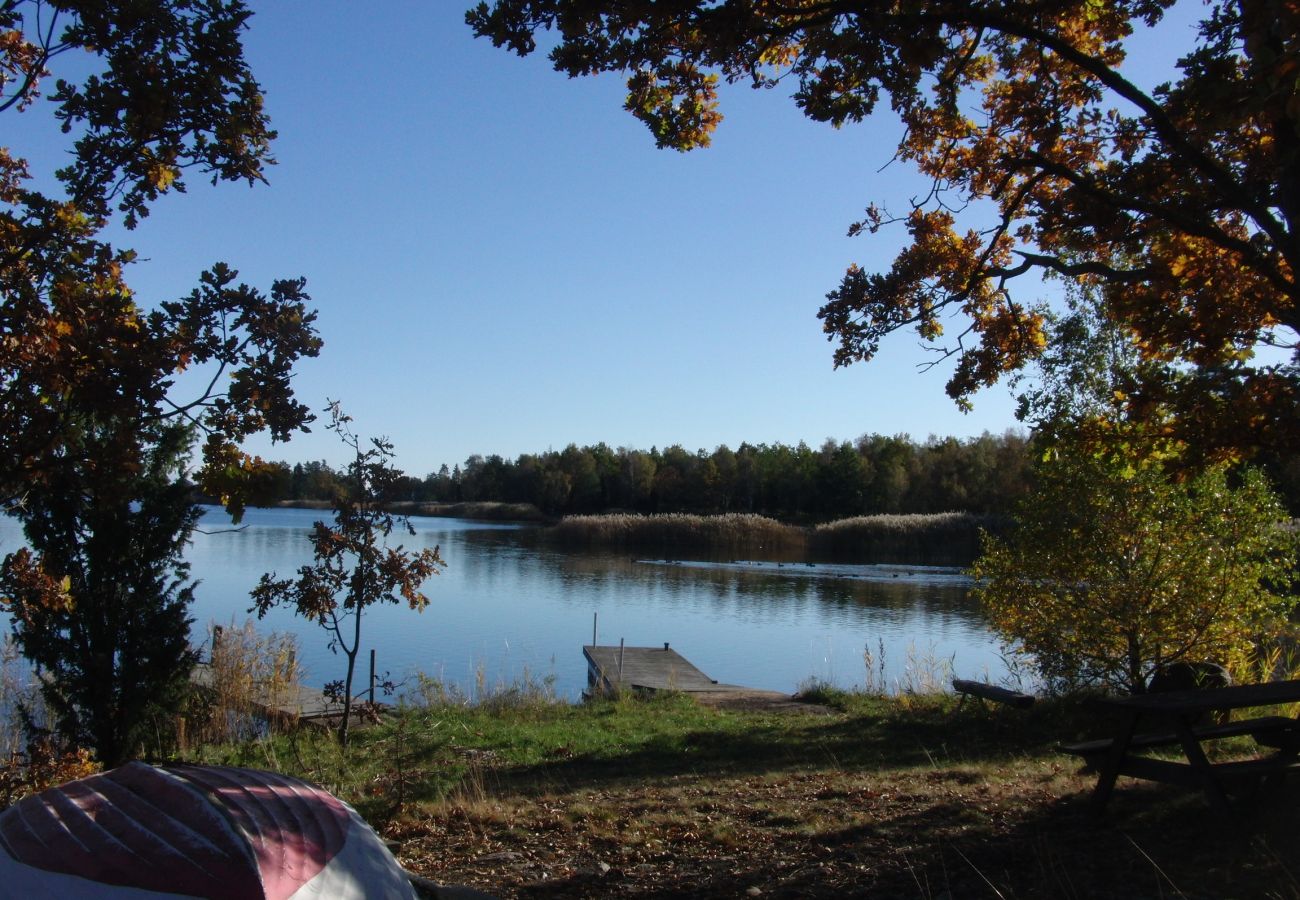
(880, 797)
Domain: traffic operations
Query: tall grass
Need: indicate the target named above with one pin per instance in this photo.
(924, 673)
(951, 539)
(732, 532)
(524, 692)
(938, 539)
(246, 674)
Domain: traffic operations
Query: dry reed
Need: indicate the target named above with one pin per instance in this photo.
(731, 531)
(247, 674)
(951, 538)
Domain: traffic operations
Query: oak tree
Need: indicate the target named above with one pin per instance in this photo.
(165, 94)
(354, 566)
(1177, 201)
(94, 429)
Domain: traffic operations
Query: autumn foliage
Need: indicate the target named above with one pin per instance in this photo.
(353, 564)
(1115, 570)
(1178, 201)
(168, 96)
(95, 428)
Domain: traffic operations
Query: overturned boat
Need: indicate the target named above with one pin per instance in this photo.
(192, 831)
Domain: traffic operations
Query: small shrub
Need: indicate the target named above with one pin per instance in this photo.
(822, 693)
(31, 756)
(43, 764)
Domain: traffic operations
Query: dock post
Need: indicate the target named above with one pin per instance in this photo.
(372, 675)
(620, 661)
(593, 628)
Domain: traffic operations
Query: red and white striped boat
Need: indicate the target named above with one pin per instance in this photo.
(140, 831)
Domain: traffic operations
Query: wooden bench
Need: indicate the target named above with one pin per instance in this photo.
(1177, 716)
(990, 692)
(1270, 731)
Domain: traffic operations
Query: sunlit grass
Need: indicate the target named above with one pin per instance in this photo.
(876, 797)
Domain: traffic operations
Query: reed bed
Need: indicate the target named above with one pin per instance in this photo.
(937, 539)
(246, 673)
(484, 510)
(943, 539)
(733, 532)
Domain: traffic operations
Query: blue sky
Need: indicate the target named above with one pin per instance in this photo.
(503, 262)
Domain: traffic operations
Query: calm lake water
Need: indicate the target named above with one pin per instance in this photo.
(507, 605)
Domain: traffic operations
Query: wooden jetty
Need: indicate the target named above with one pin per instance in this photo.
(643, 669)
(649, 670)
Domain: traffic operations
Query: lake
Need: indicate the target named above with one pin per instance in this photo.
(508, 605)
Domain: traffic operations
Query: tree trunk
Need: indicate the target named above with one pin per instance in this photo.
(347, 694)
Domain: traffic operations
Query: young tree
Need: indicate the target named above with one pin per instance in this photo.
(1178, 201)
(107, 513)
(1115, 569)
(354, 566)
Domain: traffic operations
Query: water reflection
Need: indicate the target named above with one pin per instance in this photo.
(507, 603)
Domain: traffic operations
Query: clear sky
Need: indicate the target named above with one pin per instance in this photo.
(504, 263)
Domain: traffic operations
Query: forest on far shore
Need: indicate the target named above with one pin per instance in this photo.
(874, 474)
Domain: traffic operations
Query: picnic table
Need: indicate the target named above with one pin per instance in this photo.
(1178, 715)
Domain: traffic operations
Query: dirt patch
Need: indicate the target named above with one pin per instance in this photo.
(925, 833)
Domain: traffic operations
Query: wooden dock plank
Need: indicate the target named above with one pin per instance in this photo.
(650, 669)
(647, 668)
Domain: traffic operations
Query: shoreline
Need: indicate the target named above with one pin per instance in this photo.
(925, 539)
(487, 511)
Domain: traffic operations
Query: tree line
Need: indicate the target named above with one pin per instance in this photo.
(874, 474)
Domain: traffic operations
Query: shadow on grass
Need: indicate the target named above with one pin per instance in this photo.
(881, 801)
(929, 737)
